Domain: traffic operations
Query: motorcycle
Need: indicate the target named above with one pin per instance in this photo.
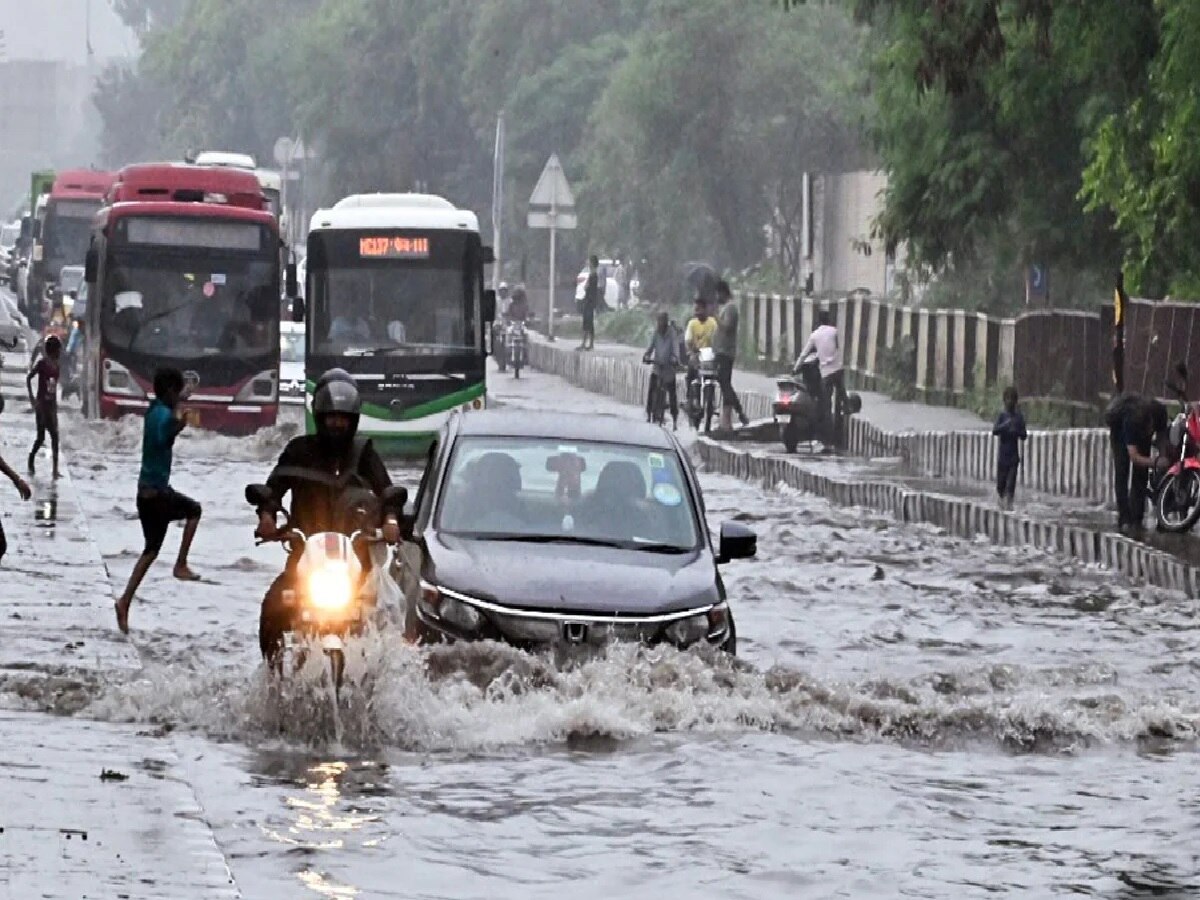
(798, 402)
(1176, 491)
(332, 597)
(516, 343)
(702, 390)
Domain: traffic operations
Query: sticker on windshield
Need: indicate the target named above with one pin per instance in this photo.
(657, 461)
(209, 289)
(667, 494)
(218, 279)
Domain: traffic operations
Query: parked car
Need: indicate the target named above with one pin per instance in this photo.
(612, 291)
(553, 530)
(291, 362)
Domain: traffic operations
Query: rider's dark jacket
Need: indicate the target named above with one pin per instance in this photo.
(317, 477)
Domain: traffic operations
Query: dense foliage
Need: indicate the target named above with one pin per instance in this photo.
(1014, 132)
(682, 124)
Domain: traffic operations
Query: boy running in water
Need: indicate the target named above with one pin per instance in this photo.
(22, 488)
(45, 404)
(158, 504)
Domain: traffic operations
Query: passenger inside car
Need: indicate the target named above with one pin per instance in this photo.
(491, 490)
(615, 509)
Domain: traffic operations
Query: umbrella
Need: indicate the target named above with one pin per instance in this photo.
(700, 278)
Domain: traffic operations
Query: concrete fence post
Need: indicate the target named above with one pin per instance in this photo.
(941, 351)
(872, 338)
(1007, 353)
(923, 374)
(960, 358)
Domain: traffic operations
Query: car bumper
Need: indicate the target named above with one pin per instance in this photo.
(542, 630)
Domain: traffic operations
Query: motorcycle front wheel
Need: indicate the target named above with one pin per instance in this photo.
(1178, 506)
(709, 408)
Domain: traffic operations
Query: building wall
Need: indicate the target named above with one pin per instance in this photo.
(844, 207)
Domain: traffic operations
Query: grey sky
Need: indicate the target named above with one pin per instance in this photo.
(55, 29)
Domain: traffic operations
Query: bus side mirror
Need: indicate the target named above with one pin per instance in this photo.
(489, 306)
(298, 309)
(489, 255)
(26, 227)
(292, 286)
(90, 264)
(37, 229)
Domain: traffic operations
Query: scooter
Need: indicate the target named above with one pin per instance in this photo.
(798, 402)
(332, 598)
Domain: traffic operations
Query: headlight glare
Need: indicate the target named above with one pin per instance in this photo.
(330, 588)
(687, 631)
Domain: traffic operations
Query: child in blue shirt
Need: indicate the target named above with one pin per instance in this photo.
(158, 504)
(1010, 429)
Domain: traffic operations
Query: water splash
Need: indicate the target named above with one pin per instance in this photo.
(487, 697)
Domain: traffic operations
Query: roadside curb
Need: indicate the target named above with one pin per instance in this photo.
(963, 518)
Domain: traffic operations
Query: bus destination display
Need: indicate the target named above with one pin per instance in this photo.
(393, 247)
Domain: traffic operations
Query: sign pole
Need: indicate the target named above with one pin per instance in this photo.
(553, 235)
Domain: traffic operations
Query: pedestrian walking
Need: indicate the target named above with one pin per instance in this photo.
(19, 483)
(1010, 429)
(47, 371)
(826, 342)
(1136, 425)
(725, 346)
(158, 504)
(591, 297)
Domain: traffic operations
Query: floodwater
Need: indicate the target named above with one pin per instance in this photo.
(910, 715)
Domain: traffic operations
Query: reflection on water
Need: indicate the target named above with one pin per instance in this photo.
(331, 806)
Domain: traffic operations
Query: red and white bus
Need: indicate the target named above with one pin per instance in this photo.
(62, 233)
(184, 271)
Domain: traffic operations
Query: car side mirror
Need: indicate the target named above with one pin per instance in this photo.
(298, 309)
(489, 255)
(489, 306)
(737, 542)
(90, 265)
(291, 285)
(259, 495)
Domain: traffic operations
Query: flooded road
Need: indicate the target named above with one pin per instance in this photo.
(911, 715)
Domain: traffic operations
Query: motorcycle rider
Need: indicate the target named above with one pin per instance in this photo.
(317, 469)
(518, 307)
(1136, 425)
(698, 335)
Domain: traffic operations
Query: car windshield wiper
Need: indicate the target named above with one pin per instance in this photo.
(647, 546)
(553, 539)
(658, 548)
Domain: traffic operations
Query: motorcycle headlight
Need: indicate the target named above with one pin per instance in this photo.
(330, 588)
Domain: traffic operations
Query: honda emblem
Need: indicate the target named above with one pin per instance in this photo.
(575, 632)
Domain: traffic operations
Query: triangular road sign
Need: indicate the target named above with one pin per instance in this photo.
(552, 188)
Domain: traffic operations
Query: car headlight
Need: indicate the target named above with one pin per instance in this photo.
(330, 588)
(712, 626)
(452, 611)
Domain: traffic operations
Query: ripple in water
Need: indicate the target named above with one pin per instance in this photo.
(124, 436)
(488, 697)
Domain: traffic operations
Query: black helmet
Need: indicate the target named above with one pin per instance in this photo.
(334, 374)
(336, 395)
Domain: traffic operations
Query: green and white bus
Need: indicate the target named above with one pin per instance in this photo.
(395, 296)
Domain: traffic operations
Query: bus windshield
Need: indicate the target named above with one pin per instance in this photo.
(364, 305)
(67, 231)
(191, 302)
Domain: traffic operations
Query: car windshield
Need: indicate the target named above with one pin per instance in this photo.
(543, 489)
(191, 305)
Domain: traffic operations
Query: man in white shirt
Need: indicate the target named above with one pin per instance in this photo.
(824, 340)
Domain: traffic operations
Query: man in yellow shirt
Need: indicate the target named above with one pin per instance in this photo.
(698, 334)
